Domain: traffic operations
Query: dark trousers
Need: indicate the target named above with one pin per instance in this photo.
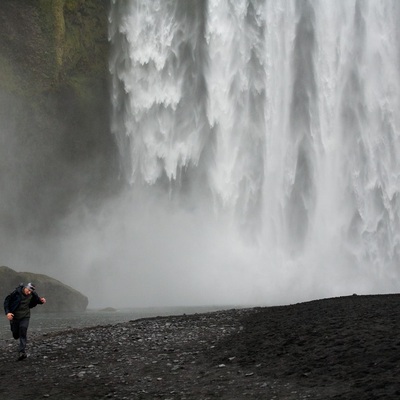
(19, 328)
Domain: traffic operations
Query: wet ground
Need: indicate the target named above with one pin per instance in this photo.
(341, 348)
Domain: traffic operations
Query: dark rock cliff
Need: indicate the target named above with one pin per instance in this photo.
(57, 149)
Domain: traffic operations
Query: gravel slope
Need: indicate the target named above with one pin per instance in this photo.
(340, 348)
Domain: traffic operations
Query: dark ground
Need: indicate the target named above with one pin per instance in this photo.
(340, 348)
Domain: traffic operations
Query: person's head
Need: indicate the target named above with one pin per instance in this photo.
(28, 288)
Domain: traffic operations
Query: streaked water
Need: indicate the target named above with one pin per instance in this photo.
(277, 120)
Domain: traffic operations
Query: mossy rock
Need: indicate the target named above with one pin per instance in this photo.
(59, 297)
(57, 146)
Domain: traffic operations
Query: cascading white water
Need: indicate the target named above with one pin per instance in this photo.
(281, 118)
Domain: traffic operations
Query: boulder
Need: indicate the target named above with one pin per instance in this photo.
(59, 297)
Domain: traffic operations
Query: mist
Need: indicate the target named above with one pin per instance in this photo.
(155, 255)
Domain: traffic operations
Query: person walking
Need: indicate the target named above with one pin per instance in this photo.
(17, 306)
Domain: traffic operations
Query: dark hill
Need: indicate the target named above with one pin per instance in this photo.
(60, 297)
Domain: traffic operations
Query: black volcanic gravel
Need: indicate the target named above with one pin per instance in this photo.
(340, 348)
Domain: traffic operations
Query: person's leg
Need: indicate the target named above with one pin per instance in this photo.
(23, 331)
(14, 325)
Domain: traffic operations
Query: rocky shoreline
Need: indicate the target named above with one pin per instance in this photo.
(340, 348)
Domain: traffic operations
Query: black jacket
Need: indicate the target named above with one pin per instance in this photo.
(12, 301)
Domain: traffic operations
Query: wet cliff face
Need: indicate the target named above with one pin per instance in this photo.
(56, 145)
(48, 44)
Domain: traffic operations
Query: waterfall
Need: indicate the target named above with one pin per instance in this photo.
(279, 119)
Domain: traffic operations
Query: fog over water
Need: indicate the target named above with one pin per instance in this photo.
(259, 142)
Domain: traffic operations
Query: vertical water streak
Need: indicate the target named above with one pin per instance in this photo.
(357, 207)
(301, 202)
(236, 104)
(158, 86)
(369, 101)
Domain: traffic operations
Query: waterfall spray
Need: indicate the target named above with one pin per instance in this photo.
(280, 119)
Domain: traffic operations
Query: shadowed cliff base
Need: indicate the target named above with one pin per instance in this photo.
(339, 348)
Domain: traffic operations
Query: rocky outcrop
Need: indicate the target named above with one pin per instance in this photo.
(59, 297)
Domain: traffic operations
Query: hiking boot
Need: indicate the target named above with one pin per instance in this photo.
(21, 356)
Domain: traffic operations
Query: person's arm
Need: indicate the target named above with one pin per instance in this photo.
(36, 300)
(9, 314)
